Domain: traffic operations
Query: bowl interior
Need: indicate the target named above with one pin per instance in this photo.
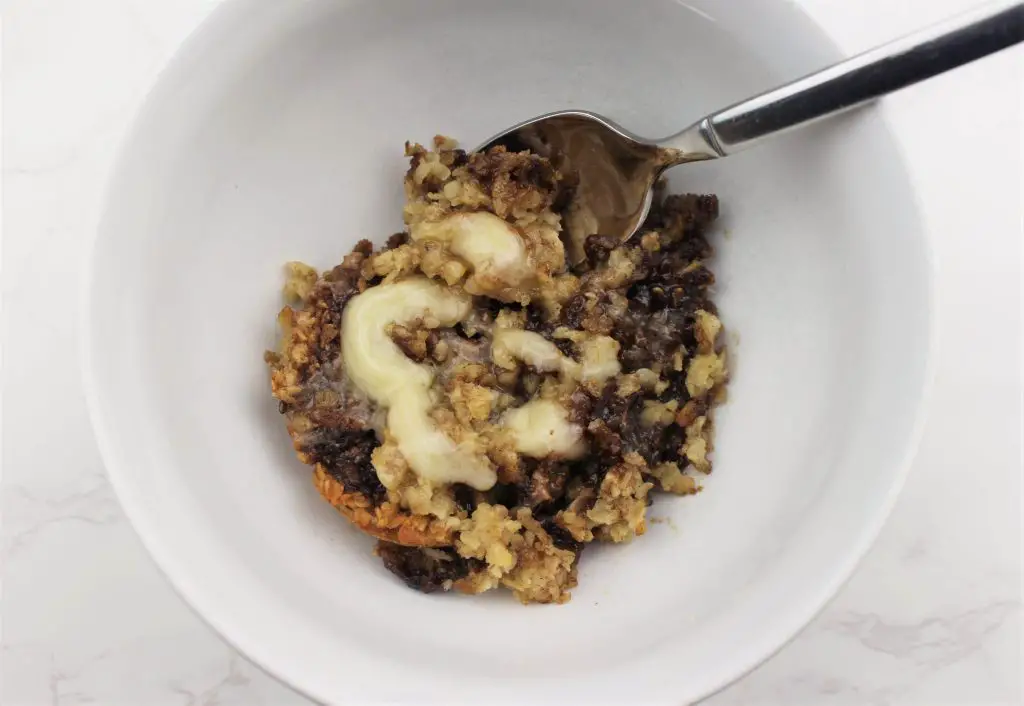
(277, 135)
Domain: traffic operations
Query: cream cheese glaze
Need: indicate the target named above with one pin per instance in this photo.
(491, 246)
(542, 428)
(378, 367)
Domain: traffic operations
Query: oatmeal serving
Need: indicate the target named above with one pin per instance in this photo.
(485, 408)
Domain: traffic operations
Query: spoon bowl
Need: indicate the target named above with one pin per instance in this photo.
(613, 170)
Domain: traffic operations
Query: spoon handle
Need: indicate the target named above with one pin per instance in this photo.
(857, 80)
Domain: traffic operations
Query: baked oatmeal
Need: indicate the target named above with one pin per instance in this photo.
(482, 407)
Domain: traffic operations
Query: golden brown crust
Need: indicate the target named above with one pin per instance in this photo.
(387, 521)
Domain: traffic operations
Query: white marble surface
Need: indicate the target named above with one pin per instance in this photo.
(932, 615)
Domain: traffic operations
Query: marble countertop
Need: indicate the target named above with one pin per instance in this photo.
(931, 616)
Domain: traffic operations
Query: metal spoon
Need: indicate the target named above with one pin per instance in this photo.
(617, 169)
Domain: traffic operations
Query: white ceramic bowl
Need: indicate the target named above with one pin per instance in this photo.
(277, 134)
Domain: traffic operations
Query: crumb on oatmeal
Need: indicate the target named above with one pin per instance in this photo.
(481, 407)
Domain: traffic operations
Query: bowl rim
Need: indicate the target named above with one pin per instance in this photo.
(163, 555)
